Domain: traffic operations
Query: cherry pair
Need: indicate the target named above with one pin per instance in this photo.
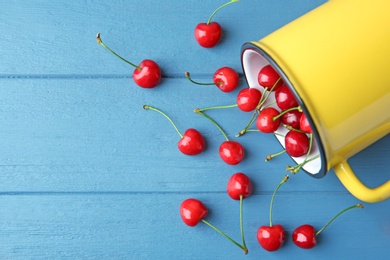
(192, 210)
(272, 237)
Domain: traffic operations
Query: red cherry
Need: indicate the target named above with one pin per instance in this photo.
(248, 99)
(239, 185)
(226, 79)
(296, 143)
(208, 35)
(231, 152)
(192, 211)
(271, 238)
(305, 236)
(304, 124)
(265, 120)
(268, 77)
(192, 142)
(146, 75)
(292, 118)
(285, 98)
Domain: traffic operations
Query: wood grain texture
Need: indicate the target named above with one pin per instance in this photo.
(86, 173)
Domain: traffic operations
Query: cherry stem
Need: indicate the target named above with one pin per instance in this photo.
(222, 6)
(265, 97)
(99, 40)
(216, 107)
(294, 129)
(286, 111)
(269, 157)
(162, 113)
(253, 118)
(341, 212)
(273, 197)
(188, 76)
(226, 236)
(212, 121)
(241, 224)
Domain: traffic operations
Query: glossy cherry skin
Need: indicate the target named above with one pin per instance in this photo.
(208, 35)
(296, 143)
(267, 78)
(226, 79)
(271, 238)
(148, 76)
(231, 152)
(292, 118)
(192, 211)
(265, 122)
(305, 236)
(192, 142)
(304, 124)
(239, 184)
(248, 99)
(285, 98)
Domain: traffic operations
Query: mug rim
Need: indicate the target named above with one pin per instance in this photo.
(251, 46)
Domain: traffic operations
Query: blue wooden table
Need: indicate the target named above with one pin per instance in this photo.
(86, 173)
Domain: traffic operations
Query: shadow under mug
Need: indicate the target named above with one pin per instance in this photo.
(335, 60)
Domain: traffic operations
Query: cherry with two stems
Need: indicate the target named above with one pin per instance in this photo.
(231, 152)
(269, 78)
(240, 187)
(209, 34)
(193, 211)
(304, 236)
(191, 142)
(225, 78)
(271, 237)
(146, 75)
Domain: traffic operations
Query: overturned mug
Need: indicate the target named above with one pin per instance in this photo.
(335, 60)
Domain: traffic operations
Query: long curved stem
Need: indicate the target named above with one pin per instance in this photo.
(188, 76)
(222, 6)
(212, 121)
(273, 197)
(217, 107)
(99, 40)
(341, 212)
(241, 223)
(166, 116)
(224, 235)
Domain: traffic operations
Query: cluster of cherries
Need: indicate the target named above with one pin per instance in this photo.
(298, 140)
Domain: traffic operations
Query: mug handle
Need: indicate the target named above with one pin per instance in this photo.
(357, 188)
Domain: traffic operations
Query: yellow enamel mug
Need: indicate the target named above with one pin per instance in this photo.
(336, 61)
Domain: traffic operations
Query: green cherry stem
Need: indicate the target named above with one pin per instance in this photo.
(226, 236)
(188, 76)
(216, 107)
(265, 97)
(166, 116)
(241, 225)
(219, 8)
(273, 197)
(252, 119)
(99, 40)
(341, 212)
(212, 121)
(270, 156)
(286, 111)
